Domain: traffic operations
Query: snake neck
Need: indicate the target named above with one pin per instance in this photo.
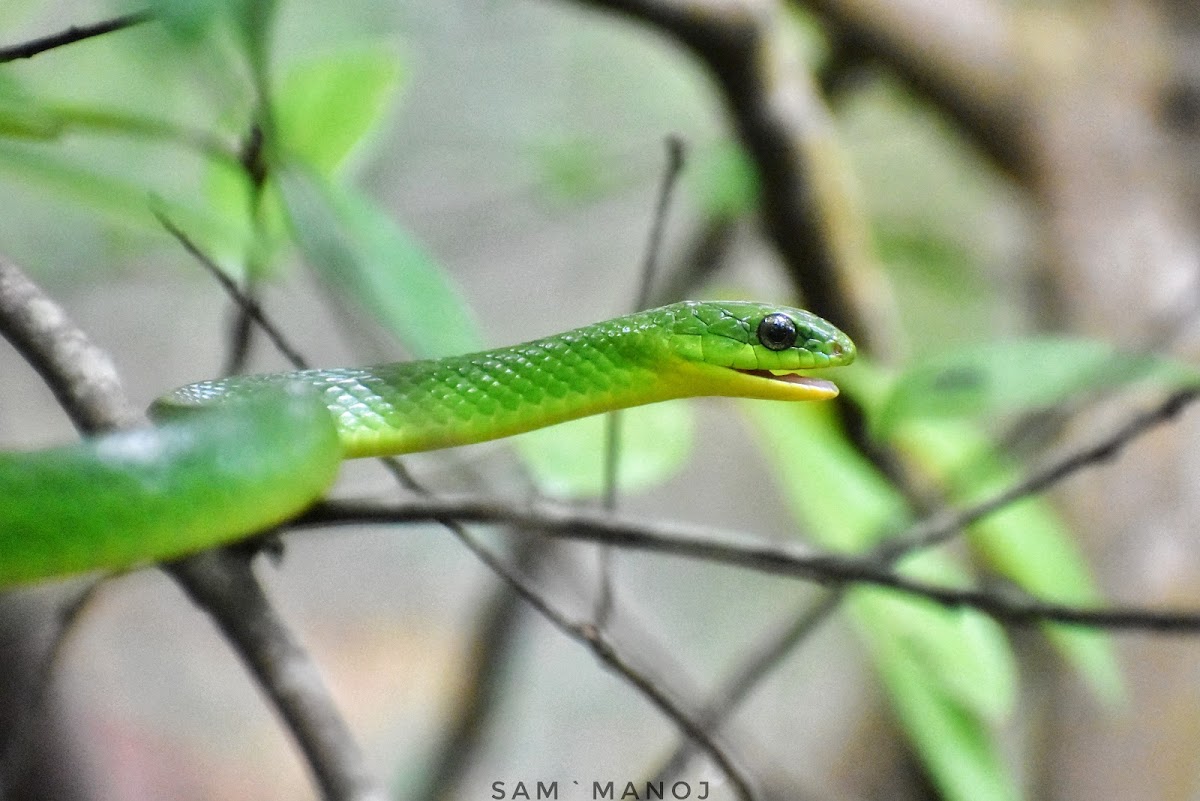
(424, 405)
(460, 400)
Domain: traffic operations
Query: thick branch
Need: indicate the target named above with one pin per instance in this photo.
(961, 54)
(80, 375)
(806, 204)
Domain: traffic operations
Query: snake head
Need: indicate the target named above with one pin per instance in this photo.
(756, 350)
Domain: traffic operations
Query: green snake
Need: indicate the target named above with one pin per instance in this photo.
(228, 458)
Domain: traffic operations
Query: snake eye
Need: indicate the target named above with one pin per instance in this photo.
(777, 332)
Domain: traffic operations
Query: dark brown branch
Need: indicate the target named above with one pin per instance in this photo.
(610, 655)
(787, 132)
(71, 35)
(961, 55)
(254, 164)
(589, 635)
(713, 545)
(770, 651)
(493, 644)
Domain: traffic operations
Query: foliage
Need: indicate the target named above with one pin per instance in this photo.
(950, 674)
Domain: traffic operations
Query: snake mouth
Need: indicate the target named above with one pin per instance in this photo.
(811, 388)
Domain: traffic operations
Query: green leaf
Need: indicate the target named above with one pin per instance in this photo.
(573, 169)
(724, 181)
(359, 251)
(927, 255)
(984, 380)
(950, 673)
(1025, 541)
(326, 107)
(959, 750)
(963, 653)
(567, 460)
(845, 504)
(186, 20)
(22, 116)
(117, 199)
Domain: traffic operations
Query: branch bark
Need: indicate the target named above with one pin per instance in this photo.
(807, 204)
(72, 35)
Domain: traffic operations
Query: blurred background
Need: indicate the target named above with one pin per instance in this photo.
(1001, 190)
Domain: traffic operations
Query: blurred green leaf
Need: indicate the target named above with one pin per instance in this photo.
(115, 198)
(22, 116)
(362, 253)
(1024, 541)
(326, 107)
(724, 181)
(186, 20)
(574, 168)
(925, 254)
(567, 460)
(253, 20)
(950, 672)
(960, 752)
(984, 380)
(964, 654)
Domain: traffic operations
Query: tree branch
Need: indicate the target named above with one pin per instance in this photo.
(71, 35)
(714, 545)
(223, 584)
(784, 126)
(942, 527)
(961, 54)
(81, 375)
(609, 654)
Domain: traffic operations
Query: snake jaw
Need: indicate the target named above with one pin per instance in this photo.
(805, 387)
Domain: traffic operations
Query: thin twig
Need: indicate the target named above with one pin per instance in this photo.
(249, 306)
(715, 545)
(608, 653)
(947, 524)
(601, 646)
(770, 652)
(613, 421)
(666, 191)
(71, 35)
(254, 165)
(493, 644)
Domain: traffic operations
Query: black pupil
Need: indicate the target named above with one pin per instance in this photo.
(777, 332)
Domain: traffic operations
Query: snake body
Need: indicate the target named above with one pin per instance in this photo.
(230, 457)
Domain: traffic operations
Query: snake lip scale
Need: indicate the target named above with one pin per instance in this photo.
(228, 458)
